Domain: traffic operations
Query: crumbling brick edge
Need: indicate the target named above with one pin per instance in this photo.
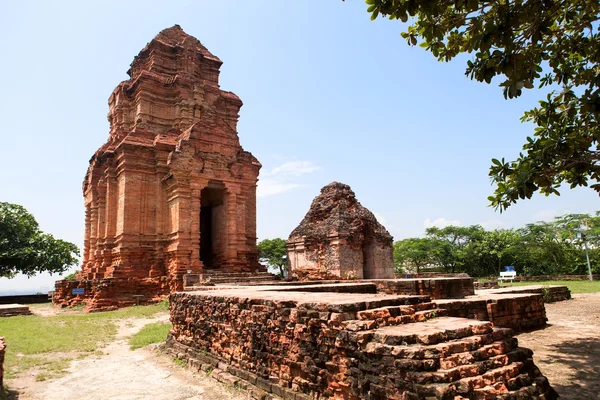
(2, 352)
(257, 387)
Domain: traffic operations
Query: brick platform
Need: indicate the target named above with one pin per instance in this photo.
(11, 310)
(436, 288)
(551, 293)
(350, 346)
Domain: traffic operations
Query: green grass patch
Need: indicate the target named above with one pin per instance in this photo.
(151, 333)
(574, 286)
(50, 343)
(180, 362)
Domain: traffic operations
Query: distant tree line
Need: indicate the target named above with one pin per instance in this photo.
(541, 248)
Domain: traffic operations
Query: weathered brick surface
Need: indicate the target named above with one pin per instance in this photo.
(516, 311)
(351, 346)
(437, 288)
(11, 310)
(2, 353)
(339, 239)
(550, 293)
(172, 191)
(485, 285)
(110, 293)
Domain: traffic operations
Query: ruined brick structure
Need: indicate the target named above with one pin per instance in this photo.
(339, 238)
(172, 191)
(329, 341)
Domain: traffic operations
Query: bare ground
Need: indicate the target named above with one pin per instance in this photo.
(567, 351)
(123, 374)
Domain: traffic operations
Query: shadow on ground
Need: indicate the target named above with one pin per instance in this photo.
(10, 395)
(583, 358)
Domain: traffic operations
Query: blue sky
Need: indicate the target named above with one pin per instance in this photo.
(328, 96)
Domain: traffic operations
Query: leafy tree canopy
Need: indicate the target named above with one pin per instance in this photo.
(417, 252)
(25, 249)
(450, 243)
(526, 44)
(274, 253)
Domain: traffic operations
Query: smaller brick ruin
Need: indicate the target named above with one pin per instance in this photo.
(11, 310)
(340, 239)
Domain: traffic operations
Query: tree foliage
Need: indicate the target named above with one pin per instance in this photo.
(274, 253)
(25, 249)
(450, 244)
(413, 252)
(543, 248)
(526, 44)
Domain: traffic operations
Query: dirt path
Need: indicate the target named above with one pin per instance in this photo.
(568, 350)
(124, 374)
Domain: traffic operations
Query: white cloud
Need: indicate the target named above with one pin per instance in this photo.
(293, 168)
(279, 179)
(492, 224)
(440, 223)
(271, 187)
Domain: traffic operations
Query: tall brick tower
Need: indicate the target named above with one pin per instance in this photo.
(172, 191)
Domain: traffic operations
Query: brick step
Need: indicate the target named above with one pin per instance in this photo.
(394, 311)
(249, 281)
(447, 352)
(375, 323)
(242, 280)
(210, 273)
(494, 368)
(482, 353)
(432, 331)
(237, 276)
(502, 386)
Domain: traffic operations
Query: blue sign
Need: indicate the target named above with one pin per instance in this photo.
(79, 291)
(509, 268)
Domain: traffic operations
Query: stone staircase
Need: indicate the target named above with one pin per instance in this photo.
(418, 349)
(235, 278)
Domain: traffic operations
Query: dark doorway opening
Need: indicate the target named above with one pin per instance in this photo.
(368, 257)
(212, 227)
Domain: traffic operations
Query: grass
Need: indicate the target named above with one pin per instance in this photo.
(574, 286)
(49, 343)
(151, 333)
(180, 362)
